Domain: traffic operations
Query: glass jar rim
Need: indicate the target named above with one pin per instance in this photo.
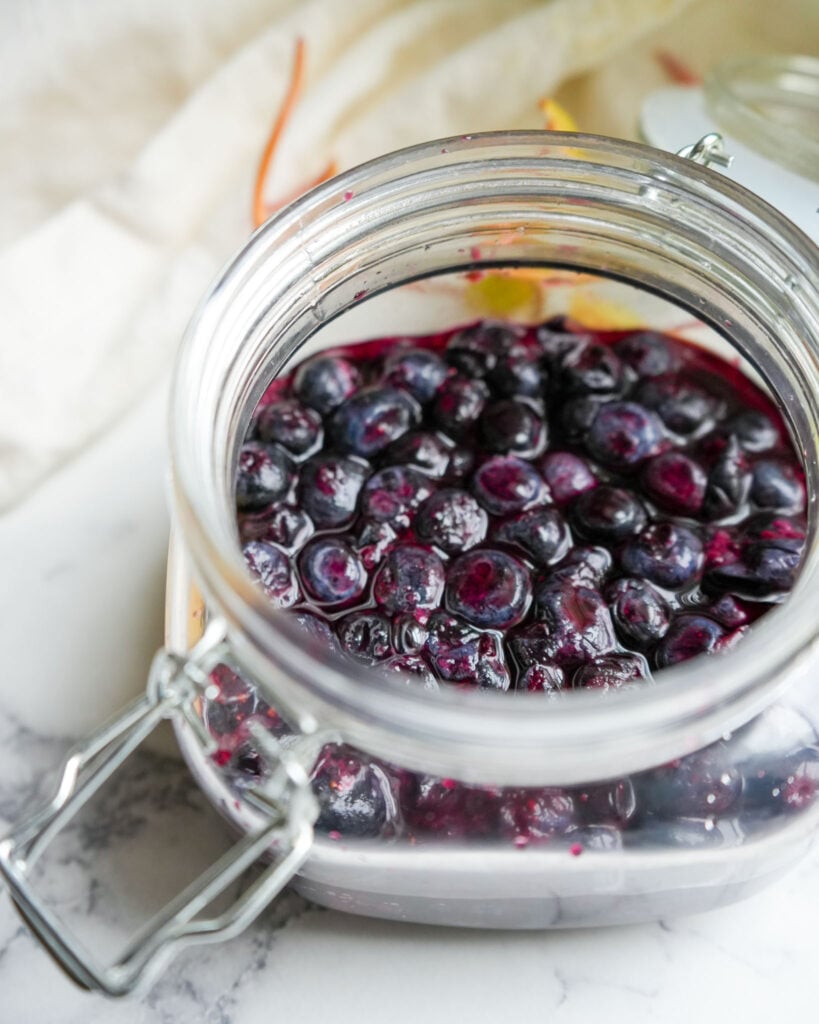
(476, 736)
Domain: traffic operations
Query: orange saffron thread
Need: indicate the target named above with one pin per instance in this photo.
(676, 69)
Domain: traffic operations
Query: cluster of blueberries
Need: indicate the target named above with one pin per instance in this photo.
(519, 509)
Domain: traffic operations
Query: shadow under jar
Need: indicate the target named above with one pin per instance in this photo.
(700, 787)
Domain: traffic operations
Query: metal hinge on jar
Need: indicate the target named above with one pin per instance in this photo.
(285, 798)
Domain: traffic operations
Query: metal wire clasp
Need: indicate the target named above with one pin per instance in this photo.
(285, 798)
(710, 149)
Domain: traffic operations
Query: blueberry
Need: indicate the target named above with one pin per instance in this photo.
(365, 636)
(641, 615)
(556, 341)
(536, 814)
(611, 672)
(699, 785)
(681, 403)
(475, 350)
(408, 634)
(789, 782)
(754, 430)
(770, 527)
(393, 494)
(372, 541)
(519, 372)
(292, 425)
(329, 486)
(596, 839)
(608, 514)
(417, 370)
(728, 612)
(676, 483)
(624, 434)
(566, 475)
(449, 809)
(234, 702)
(686, 637)
(729, 482)
(412, 669)
(458, 404)
(271, 567)
(649, 354)
(410, 579)
(284, 525)
(506, 484)
(592, 369)
(777, 485)
(665, 554)
(608, 803)
(574, 627)
(460, 653)
(577, 417)
(431, 454)
(686, 834)
(451, 520)
(324, 382)
(513, 427)
(541, 533)
(488, 588)
(372, 419)
(331, 571)
(583, 567)
(541, 677)
(767, 569)
(264, 475)
(354, 795)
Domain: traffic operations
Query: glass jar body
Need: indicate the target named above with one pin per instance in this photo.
(634, 224)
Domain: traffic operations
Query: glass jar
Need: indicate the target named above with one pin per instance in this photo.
(634, 225)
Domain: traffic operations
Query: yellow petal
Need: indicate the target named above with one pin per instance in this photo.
(602, 314)
(556, 118)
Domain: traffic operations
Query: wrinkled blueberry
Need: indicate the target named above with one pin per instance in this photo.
(510, 426)
(505, 484)
(777, 485)
(542, 533)
(284, 525)
(647, 353)
(698, 785)
(412, 669)
(411, 578)
(541, 677)
(449, 809)
(566, 476)
(676, 483)
(624, 434)
(531, 815)
(325, 381)
(688, 636)
(592, 369)
(452, 520)
(682, 404)
(431, 454)
(264, 475)
(354, 794)
(611, 672)
(575, 627)
(460, 653)
(393, 494)
(331, 571)
(365, 636)
(608, 514)
(458, 404)
(475, 350)
(417, 370)
(408, 634)
(584, 567)
(767, 568)
(292, 425)
(329, 486)
(372, 541)
(641, 615)
(271, 567)
(729, 482)
(665, 554)
(372, 419)
(488, 588)
(754, 430)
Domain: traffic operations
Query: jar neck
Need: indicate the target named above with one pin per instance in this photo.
(548, 199)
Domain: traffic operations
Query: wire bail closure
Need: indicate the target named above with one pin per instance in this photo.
(176, 685)
(710, 149)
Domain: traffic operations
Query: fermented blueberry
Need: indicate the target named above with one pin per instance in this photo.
(410, 579)
(687, 637)
(573, 627)
(460, 653)
(365, 636)
(541, 533)
(452, 520)
(729, 482)
(271, 567)
(393, 494)
(418, 370)
(536, 814)
(371, 419)
(624, 434)
(611, 672)
(489, 588)
(666, 554)
(641, 615)
(542, 677)
(458, 404)
(647, 353)
(353, 793)
(676, 483)
(264, 475)
(329, 486)
(292, 425)
(592, 369)
(505, 484)
(777, 485)
(324, 381)
(608, 514)
(567, 475)
(284, 525)
(754, 430)
(681, 403)
(331, 571)
(513, 427)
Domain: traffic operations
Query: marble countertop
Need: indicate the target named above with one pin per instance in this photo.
(83, 564)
